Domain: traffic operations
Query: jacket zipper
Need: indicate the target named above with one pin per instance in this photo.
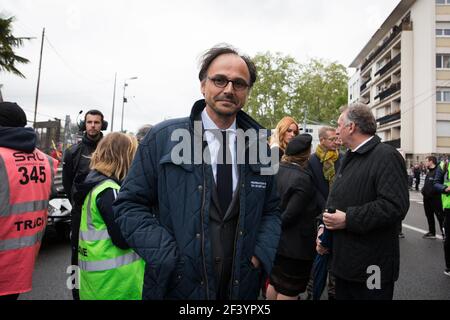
(203, 233)
(236, 238)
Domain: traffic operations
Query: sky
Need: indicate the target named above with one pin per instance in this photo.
(160, 42)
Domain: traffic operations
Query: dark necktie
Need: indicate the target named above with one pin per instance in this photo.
(224, 175)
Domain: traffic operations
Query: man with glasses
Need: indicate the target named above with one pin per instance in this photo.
(208, 230)
(371, 198)
(324, 164)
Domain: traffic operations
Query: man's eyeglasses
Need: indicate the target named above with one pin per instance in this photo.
(222, 82)
(332, 139)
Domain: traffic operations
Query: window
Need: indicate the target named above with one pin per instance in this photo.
(443, 128)
(443, 29)
(442, 1)
(443, 61)
(443, 95)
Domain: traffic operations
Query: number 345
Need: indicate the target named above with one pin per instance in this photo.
(33, 176)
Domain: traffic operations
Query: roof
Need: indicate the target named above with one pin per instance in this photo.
(387, 25)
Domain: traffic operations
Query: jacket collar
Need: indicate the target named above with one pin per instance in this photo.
(90, 142)
(243, 121)
(372, 143)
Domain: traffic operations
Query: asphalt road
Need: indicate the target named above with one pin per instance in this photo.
(421, 266)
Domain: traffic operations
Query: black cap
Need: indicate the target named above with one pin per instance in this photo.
(11, 115)
(298, 144)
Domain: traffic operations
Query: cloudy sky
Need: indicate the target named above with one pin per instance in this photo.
(160, 42)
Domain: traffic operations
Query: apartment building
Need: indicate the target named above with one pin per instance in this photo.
(403, 74)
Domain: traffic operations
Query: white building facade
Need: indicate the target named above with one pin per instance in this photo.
(403, 74)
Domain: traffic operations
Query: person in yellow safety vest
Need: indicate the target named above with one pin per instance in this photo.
(109, 269)
(442, 185)
(26, 181)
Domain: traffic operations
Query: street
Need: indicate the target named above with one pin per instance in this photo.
(421, 266)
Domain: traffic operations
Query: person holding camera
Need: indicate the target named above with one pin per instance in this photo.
(76, 168)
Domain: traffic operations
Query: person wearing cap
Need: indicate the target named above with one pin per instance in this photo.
(371, 197)
(26, 177)
(295, 254)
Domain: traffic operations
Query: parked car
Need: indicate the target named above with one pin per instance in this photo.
(59, 215)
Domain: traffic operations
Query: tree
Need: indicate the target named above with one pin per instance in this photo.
(285, 87)
(8, 42)
(322, 88)
(270, 98)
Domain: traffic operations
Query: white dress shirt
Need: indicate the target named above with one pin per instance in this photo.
(363, 143)
(214, 145)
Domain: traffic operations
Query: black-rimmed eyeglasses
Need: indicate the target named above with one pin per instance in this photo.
(222, 82)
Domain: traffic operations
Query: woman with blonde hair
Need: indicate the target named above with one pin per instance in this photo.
(109, 269)
(286, 129)
(296, 249)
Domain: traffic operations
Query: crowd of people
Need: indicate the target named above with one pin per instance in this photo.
(148, 226)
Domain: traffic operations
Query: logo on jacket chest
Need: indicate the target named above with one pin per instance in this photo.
(258, 184)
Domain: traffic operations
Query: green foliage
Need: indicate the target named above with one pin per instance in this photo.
(322, 87)
(270, 98)
(285, 87)
(8, 42)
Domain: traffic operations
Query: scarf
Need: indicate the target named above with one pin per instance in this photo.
(327, 158)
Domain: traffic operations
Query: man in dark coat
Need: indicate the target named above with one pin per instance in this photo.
(417, 171)
(432, 201)
(371, 198)
(207, 227)
(324, 164)
(76, 168)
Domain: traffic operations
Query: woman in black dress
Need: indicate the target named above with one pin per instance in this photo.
(296, 250)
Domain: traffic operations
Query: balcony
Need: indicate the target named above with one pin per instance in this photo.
(395, 143)
(396, 30)
(389, 91)
(389, 118)
(388, 66)
(364, 85)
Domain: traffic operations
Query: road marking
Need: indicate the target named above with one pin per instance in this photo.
(407, 226)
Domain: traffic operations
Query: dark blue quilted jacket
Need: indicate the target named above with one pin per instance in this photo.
(162, 210)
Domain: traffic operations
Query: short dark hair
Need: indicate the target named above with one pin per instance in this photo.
(361, 115)
(143, 131)
(432, 159)
(94, 112)
(210, 55)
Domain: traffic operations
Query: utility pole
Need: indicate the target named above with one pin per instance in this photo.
(39, 79)
(67, 133)
(123, 104)
(114, 102)
(124, 99)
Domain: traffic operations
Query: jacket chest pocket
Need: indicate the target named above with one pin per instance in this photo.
(173, 174)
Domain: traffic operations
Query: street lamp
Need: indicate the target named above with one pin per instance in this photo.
(125, 84)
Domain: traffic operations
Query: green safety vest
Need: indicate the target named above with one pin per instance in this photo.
(106, 271)
(445, 197)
